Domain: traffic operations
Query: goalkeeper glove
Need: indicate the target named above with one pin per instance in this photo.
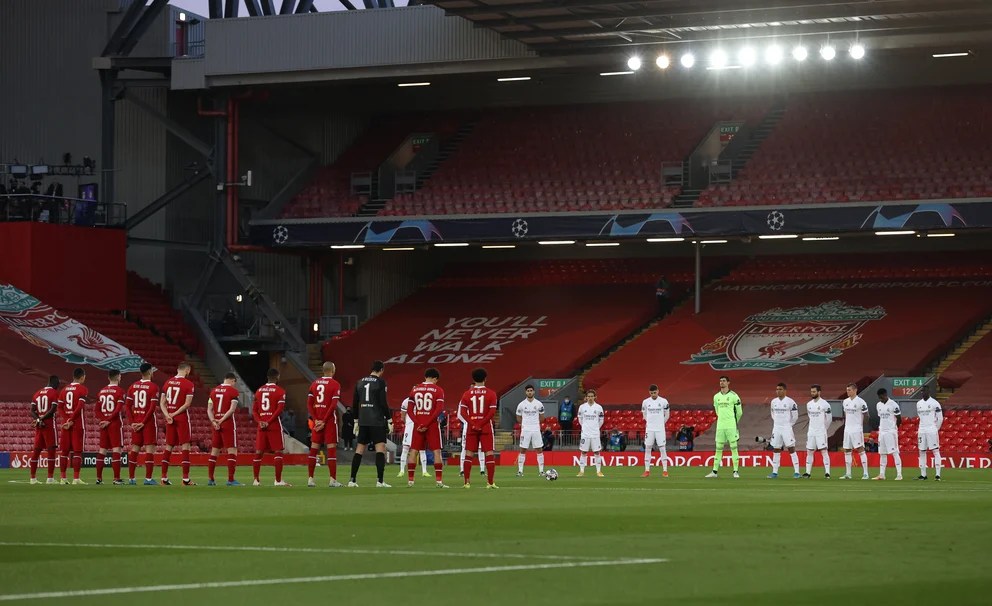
(356, 428)
(389, 424)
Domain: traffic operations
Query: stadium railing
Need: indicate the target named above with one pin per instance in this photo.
(62, 210)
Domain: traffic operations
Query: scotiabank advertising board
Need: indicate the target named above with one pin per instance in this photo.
(19, 460)
(566, 458)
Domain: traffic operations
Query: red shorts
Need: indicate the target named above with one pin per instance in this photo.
(46, 437)
(112, 436)
(226, 436)
(328, 435)
(179, 431)
(269, 438)
(427, 440)
(71, 440)
(147, 435)
(482, 439)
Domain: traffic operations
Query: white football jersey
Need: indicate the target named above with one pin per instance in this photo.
(820, 416)
(887, 413)
(591, 417)
(854, 422)
(530, 412)
(656, 412)
(931, 415)
(785, 413)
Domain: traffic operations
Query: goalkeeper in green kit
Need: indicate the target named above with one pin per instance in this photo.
(728, 412)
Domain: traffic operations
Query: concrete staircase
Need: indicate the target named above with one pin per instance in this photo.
(447, 150)
(942, 364)
(314, 358)
(756, 138)
(200, 368)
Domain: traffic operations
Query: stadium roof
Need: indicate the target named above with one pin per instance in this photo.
(563, 27)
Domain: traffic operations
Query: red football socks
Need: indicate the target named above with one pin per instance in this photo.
(490, 468)
(312, 461)
(438, 471)
(467, 469)
(278, 468)
(211, 466)
(115, 464)
(411, 468)
(332, 465)
(99, 467)
(185, 464)
(256, 466)
(232, 466)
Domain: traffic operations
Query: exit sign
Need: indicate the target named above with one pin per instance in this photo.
(907, 386)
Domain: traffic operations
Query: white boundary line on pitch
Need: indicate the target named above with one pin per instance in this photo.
(10, 597)
(268, 549)
(843, 486)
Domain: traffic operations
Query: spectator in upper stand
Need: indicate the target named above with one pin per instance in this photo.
(663, 295)
(566, 414)
(229, 325)
(289, 422)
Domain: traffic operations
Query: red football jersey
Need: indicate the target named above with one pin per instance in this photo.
(142, 400)
(176, 390)
(427, 403)
(270, 400)
(45, 400)
(478, 406)
(72, 399)
(109, 403)
(222, 399)
(322, 401)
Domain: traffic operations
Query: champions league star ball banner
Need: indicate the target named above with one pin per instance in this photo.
(688, 224)
(570, 458)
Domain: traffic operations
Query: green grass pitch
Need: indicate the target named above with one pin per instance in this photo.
(616, 540)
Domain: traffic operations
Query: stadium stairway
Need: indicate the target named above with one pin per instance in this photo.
(968, 377)
(756, 138)
(945, 363)
(448, 149)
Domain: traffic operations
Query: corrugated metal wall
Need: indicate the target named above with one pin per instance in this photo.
(49, 91)
(381, 279)
(284, 278)
(140, 162)
(342, 39)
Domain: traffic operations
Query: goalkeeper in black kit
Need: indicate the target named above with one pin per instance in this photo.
(373, 420)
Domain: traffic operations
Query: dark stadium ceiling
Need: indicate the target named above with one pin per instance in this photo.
(577, 27)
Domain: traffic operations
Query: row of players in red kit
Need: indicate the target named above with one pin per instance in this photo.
(477, 409)
(60, 426)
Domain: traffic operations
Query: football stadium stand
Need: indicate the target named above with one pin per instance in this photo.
(542, 318)
(844, 322)
(329, 194)
(969, 375)
(538, 159)
(871, 145)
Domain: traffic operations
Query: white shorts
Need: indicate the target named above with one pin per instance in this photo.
(854, 440)
(783, 437)
(531, 439)
(408, 434)
(928, 440)
(888, 442)
(816, 441)
(654, 439)
(593, 444)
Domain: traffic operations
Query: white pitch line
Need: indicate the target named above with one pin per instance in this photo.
(268, 549)
(10, 597)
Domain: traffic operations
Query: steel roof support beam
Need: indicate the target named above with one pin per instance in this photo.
(131, 17)
(304, 7)
(139, 29)
(702, 7)
(231, 8)
(627, 26)
(268, 7)
(254, 10)
(167, 198)
(287, 7)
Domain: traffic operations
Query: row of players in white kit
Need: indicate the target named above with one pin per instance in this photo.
(785, 413)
